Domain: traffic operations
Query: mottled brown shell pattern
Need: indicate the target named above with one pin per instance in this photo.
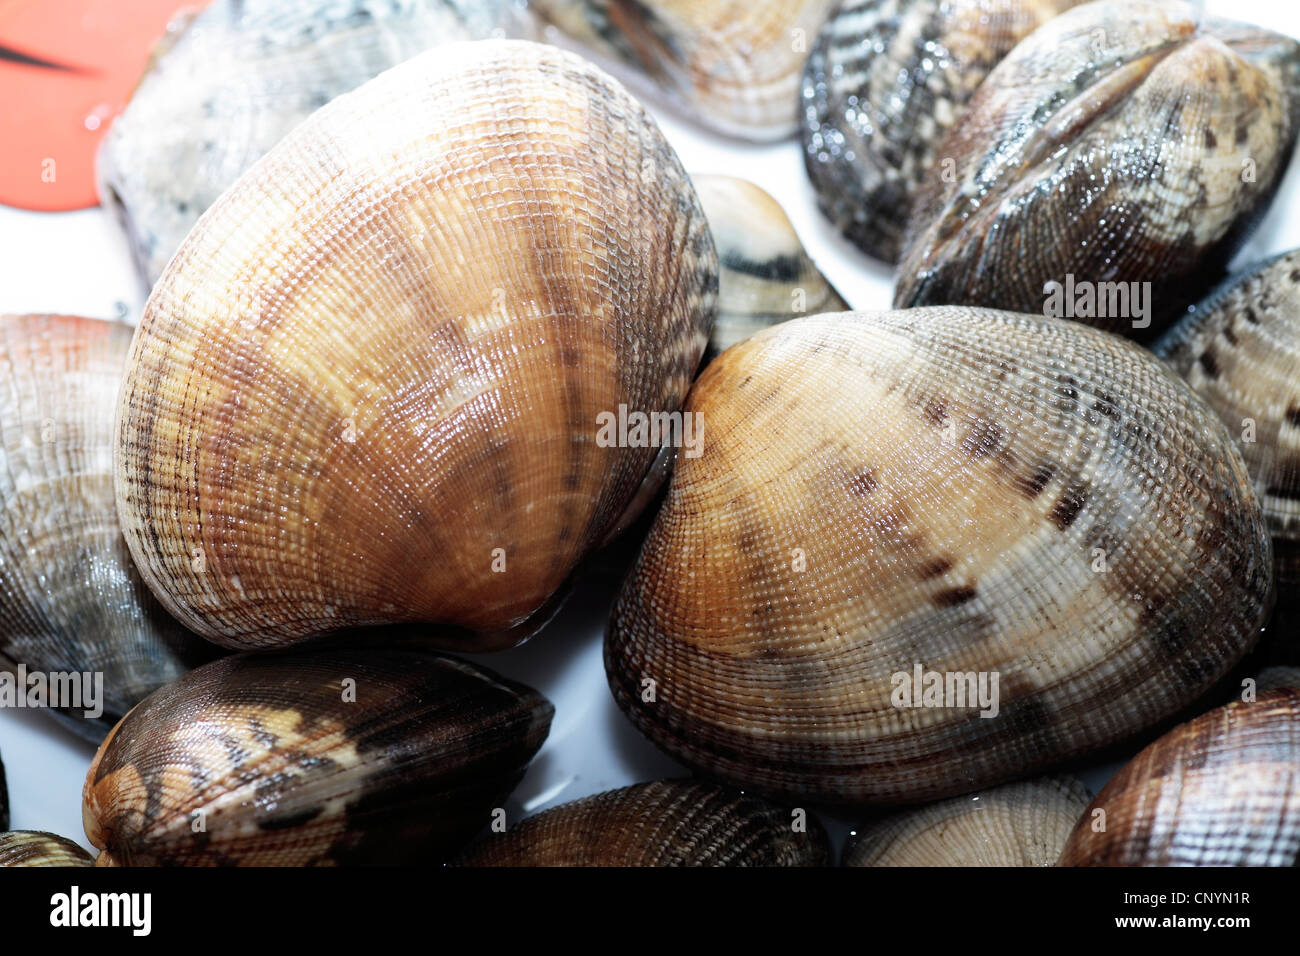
(367, 388)
(733, 65)
(666, 823)
(956, 489)
(1119, 142)
(372, 755)
(1016, 824)
(70, 598)
(1220, 790)
(33, 848)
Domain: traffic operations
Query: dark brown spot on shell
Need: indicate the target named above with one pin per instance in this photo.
(952, 597)
(1068, 506)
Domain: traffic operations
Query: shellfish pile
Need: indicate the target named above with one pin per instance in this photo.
(438, 315)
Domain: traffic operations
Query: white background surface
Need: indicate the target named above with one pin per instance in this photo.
(78, 263)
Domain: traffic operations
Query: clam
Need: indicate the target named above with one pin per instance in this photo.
(1016, 824)
(1240, 350)
(373, 385)
(732, 65)
(666, 823)
(71, 602)
(1107, 168)
(340, 756)
(925, 552)
(1220, 790)
(884, 82)
(230, 81)
(34, 848)
(765, 276)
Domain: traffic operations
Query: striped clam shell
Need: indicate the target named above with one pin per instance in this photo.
(1016, 824)
(732, 65)
(71, 602)
(766, 276)
(667, 823)
(1037, 515)
(1121, 142)
(33, 848)
(231, 80)
(1220, 790)
(367, 389)
(340, 756)
(883, 84)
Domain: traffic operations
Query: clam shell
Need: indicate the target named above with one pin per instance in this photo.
(667, 823)
(766, 276)
(1120, 142)
(368, 388)
(33, 848)
(1220, 790)
(1017, 824)
(732, 65)
(1240, 350)
(233, 79)
(884, 82)
(267, 760)
(959, 490)
(71, 601)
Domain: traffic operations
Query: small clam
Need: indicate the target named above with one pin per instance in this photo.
(765, 275)
(732, 64)
(33, 848)
(340, 756)
(1240, 350)
(1016, 824)
(883, 84)
(231, 81)
(1122, 151)
(1220, 790)
(667, 823)
(71, 602)
(370, 386)
(929, 551)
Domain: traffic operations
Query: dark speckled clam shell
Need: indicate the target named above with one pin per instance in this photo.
(667, 823)
(33, 848)
(1120, 142)
(260, 760)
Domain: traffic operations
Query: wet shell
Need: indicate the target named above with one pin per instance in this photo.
(1221, 790)
(766, 275)
(731, 64)
(33, 848)
(1240, 350)
(953, 489)
(231, 81)
(668, 823)
(368, 388)
(372, 755)
(883, 84)
(1120, 142)
(1017, 824)
(71, 601)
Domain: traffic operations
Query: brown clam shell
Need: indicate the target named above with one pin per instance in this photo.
(268, 760)
(1038, 514)
(1220, 790)
(666, 823)
(33, 848)
(367, 389)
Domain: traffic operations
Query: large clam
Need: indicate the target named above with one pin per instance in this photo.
(732, 64)
(33, 848)
(371, 386)
(667, 823)
(1220, 790)
(1016, 824)
(928, 551)
(883, 84)
(1107, 168)
(367, 755)
(73, 611)
(231, 80)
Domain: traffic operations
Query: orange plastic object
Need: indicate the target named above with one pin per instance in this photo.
(67, 67)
